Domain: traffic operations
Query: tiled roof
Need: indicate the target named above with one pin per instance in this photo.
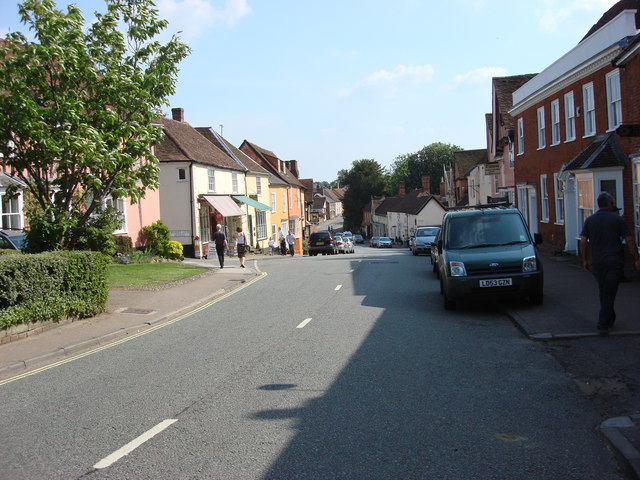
(285, 175)
(466, 160)
(389, 204)
(226, 146)
(504, 88)
(413, 202)
(614, 12)
(603, 151)
(182, 142)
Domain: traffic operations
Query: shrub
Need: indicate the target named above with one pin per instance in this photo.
(173, 250)
(124, 244)
(156, 237)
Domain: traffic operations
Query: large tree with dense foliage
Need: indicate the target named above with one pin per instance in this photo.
(364, 179)
(77, 105)
(410, 168)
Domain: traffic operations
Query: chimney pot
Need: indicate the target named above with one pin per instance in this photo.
(401, 189)
(426, 183)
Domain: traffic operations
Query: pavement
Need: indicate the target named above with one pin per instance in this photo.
(569, 312)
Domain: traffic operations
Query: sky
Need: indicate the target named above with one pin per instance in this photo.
(330, 82)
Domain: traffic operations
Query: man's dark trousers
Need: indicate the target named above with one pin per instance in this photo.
(608, 276)
(220, 252)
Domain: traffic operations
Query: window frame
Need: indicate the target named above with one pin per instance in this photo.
(614, 105)
(520, 136)
(544, 199)
(182, 171)
(7, 215)
(569, 117)
(274, 202)
(555, 122)
(558, 195)
(259, 186)
(261, 225)
(542, 133)
(234, 182)
(589, 107)
(211, 180)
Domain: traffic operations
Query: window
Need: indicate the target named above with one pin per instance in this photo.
(614, 100)
(472, 189)
(589, 110)
(120, 206)
(212, 179)
(284, 202)
(234, 182)
(520, 136)
(541, 129)
(273, 202)
(511, 155)
(636, 198)
(182, 174)
(258, 186)
(274, 227)
(544, 198)
(558, 194)
(261, 224)
(585, 200)
(555, 122)
(205, 224)
(11, 212)
(569, 117)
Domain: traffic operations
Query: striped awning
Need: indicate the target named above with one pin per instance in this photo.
(224, 204)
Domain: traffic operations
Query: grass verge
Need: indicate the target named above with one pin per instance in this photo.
(149, 274)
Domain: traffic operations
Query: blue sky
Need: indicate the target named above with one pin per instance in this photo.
(330, 82)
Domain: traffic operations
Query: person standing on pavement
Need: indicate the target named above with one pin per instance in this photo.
(291, 240)
(241, 245)
(601, 237)
(272, 245)
(221, 244)
(282, 241)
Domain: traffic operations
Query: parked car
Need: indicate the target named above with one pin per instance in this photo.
(384, 242)
(357, 238)
(347, 234)
(321, 242)
(425, 236)
(340, 244)
(374, 241)
(486, 252)
(12, 240)
(434, 253)
(349, 248)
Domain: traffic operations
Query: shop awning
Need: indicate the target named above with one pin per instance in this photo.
(224, 204)
(251, 202)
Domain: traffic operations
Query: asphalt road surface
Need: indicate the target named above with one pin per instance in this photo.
(330, 367)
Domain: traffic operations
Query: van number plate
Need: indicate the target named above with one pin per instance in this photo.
(496, 282)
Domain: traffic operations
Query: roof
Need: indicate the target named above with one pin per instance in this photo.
(413, 202)
(614, 12)
(7, 180)
(504, 88)
(269, 158)
(223, 144)
(466, 160)
(183, 143)
(389, 204)
(603, 151)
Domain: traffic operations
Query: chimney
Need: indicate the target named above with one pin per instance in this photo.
(401, 191)
(178, 114)
(292, 165)
(426, 183)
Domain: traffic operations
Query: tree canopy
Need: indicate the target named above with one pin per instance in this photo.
(364, 179)
(409, 168)
(76, 110)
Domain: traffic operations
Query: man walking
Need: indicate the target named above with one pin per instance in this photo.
(601, 236)
(291, 240)
(221, 244)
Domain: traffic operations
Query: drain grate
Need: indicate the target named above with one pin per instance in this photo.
(136, 311)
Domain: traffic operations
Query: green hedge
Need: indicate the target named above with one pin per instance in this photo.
(52, 286)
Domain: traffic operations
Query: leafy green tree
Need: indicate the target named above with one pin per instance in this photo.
(76, 110)
(410, 168)
(364, 179)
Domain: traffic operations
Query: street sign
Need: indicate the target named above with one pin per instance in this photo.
(629, 130)
(492, 168)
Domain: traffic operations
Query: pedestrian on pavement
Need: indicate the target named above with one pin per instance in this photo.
(282, 241)
(241, 244)
(220, 240)
(601, 237)
(291, 240)
(272, 246)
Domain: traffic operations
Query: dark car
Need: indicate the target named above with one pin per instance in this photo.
(485, 252)
(434, 253)
(12, 240)
(357, 238)
(321, 242)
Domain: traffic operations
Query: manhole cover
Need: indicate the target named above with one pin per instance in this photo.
(137, 311)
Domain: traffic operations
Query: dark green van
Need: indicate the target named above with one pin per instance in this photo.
(485, 252)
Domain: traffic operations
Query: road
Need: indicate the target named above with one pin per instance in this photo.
(330, 367)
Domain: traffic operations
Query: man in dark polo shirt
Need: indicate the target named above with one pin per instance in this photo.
(602, 236)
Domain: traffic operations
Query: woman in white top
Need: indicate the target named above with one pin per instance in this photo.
(241, 244)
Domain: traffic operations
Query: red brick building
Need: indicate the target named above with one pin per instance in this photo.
(567, 149)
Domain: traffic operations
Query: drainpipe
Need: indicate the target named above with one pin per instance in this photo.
(193, 209)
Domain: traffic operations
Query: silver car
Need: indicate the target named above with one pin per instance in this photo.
(425, 236)
(385, 242)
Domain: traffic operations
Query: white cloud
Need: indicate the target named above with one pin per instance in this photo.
(389, 83)
(193, 17)
(478, 76)
(553, 14)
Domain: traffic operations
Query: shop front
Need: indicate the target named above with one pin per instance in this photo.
(216, 210)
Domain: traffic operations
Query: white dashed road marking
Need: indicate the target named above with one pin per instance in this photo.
(302, 325)
(338, 288)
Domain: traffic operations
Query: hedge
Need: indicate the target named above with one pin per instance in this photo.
(52, 286)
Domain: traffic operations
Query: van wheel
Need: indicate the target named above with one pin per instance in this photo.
(448, 303)
(536, 298)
